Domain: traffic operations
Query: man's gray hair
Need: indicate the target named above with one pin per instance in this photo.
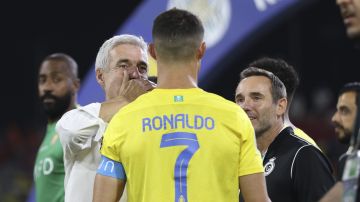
(103, 56)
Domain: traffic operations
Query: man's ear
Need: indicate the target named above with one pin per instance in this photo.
(281, 106)
(76, 85)
(151, 50)
(201, 50)
(100, 77)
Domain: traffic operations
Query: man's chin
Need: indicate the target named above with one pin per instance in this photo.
(53, 111)
(49, 106)
(253, 122)
(344, 139)
(354, 34)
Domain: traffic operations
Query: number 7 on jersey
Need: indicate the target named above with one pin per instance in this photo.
(182, 162)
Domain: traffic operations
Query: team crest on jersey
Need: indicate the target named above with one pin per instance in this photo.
(269, 166)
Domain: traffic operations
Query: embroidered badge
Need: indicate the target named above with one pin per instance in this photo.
(178, 98)
(269, 166)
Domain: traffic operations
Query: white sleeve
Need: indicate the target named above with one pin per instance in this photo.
(79, 127)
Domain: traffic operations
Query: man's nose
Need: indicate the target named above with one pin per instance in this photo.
(134, 72)
(245, 104)
(48, 85)
(334, 118)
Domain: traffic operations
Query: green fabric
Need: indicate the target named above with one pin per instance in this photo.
(49, 170)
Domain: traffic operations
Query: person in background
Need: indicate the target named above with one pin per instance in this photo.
(295, 170)
(58, 85)
(344, 123)
(350, 12)
(121, 70)
(178, 142)
(288, 75)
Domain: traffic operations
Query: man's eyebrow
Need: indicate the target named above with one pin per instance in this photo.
(342, 107)
(122, 60)
(240, 95)
(256, 94)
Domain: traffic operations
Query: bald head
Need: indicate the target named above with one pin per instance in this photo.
(70, 63)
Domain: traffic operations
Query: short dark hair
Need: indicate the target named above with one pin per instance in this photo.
(351, 86)
(277, 89)
(284, 71)
(177, 34)
(71, 63)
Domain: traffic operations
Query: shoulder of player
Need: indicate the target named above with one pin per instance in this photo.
(80, 116)
(308, 157)
(131, 107)
(288, 142)
(220, 102)
(294, 146)
(309, 154)
(90, 109)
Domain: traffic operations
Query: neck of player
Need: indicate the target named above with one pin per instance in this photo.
(177, 75)
(267, 137)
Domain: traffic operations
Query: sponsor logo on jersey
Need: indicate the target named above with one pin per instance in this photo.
(44, 167)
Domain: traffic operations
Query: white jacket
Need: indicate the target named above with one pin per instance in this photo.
(80, 131)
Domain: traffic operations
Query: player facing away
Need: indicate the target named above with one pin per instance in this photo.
(178, 142)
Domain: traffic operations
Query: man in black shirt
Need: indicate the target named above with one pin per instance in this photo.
(295, 170)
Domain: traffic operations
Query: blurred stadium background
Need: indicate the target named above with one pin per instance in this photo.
(309, 34)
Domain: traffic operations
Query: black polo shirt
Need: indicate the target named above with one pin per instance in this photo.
(295, 170)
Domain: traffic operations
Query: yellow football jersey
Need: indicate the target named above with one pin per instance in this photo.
(182, 145)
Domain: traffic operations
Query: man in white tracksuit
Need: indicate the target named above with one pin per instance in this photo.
(121, 70)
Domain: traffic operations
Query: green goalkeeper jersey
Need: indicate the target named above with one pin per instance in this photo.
(49, 168)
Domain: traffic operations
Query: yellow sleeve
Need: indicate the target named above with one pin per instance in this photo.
(111, 139)
(250, 157)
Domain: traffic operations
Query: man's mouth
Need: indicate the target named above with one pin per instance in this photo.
(338, 129)
(48, 100)
(348, 17)
(251, 117)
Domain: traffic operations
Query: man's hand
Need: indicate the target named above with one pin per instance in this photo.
(133, 88)
(129, 90)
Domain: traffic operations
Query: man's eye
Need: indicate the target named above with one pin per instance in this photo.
(143, 68)
(344, 111)
(240, 100)
(41, 80)
(57, 79)
(123, 66)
